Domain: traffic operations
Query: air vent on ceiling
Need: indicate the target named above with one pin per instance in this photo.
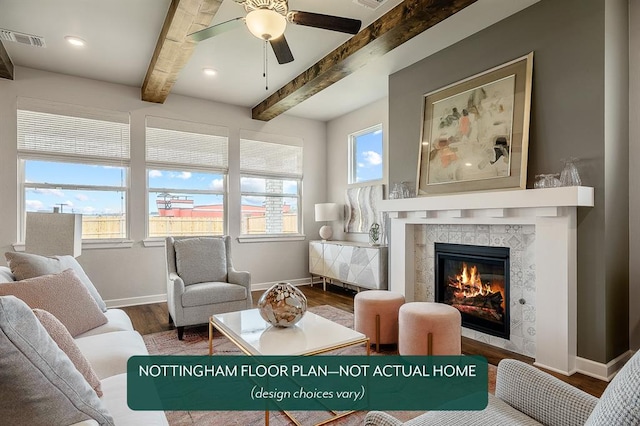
(371, 4)
(22, 38)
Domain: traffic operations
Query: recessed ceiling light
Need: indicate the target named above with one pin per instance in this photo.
(209, 72)
(75, 41)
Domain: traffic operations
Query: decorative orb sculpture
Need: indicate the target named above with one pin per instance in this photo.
(282, 305)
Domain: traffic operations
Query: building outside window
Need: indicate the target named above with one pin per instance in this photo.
(270, 185)
(186, 178)
(75, 160)
(366, 155)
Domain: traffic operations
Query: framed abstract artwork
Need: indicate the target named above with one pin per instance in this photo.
(475, 133)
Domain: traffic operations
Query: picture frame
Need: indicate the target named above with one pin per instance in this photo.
(475, 132)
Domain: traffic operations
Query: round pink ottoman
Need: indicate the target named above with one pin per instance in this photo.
(376, 315)
(427, 328)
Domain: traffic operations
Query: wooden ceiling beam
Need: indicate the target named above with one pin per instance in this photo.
(400, 24)
(6, 66)
(173, 49)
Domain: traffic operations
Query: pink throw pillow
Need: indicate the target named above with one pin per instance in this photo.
(63, 339)
(61, 294)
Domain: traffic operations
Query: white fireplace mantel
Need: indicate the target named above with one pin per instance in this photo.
(553, 212)
(491, 203)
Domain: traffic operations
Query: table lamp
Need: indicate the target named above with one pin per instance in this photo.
(51, 234)
(327, 212)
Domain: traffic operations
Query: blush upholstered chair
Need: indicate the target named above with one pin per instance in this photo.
(201, 280)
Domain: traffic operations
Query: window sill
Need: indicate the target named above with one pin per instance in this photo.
(270, 238)
(373, 182)
(91, 245)
(160, 241)
(153, 242)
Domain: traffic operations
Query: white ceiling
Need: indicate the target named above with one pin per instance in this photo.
(121, 36)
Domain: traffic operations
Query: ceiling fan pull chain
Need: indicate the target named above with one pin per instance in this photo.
(265, 68)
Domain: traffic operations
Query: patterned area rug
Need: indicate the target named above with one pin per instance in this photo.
(196, 342)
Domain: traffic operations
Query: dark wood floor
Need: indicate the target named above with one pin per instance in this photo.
(154, 317)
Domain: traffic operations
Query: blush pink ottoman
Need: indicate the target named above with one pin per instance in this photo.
(376, 315)
(427, 328)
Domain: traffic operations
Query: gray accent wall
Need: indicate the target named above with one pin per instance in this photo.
(580, 99)
(616, 157)
(634, 172)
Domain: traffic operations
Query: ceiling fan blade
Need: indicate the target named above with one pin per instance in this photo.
(281, 49)
(216, 29)
(327, 22)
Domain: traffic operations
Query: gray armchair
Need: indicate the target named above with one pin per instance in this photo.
(201, 280)
(528, 396)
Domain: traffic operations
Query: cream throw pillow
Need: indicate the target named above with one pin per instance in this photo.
(63, 295)
(63, 339)
(28, 265)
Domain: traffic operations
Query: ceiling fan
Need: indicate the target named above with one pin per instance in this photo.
(267, 20)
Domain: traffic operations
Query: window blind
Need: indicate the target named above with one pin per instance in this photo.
(268, 158)
(62, 132)
(186, 144)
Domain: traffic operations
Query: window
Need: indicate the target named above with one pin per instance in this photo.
(270, 185)
(186, 175)
(365, 155)
(77, 161)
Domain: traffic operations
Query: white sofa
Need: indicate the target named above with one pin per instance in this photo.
(108, 348)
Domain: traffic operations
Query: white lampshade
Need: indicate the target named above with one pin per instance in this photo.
(266, 24)
(327, 212)
(51, 234)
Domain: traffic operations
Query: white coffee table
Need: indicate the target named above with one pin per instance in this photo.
(312, 335)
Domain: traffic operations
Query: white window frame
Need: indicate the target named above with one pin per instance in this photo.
(23, 158)
(222, 192)
(39, 154)
(353, 160)
(297, 196)
(189, 165)
(297, 176)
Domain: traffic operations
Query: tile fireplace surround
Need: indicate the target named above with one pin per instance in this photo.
(549, 215)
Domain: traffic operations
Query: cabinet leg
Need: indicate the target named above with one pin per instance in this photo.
(324, 284)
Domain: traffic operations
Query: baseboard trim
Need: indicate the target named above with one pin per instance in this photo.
(132, 301)
(602, 371)
(555, 370)
(266, 286)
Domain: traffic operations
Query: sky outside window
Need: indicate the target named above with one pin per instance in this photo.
(367, 152)
(73, 200)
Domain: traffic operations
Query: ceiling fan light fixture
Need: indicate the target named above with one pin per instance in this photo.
(266, 24)
(209, 72)
(75, 41)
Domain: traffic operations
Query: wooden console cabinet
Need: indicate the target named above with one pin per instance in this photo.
(352, 263)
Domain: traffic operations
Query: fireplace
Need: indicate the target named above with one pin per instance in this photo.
(475, 280)
(543, 261)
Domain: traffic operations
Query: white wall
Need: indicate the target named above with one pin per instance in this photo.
(137, 275)
(338, 131)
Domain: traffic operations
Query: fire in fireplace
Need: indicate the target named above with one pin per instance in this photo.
(475, 280)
